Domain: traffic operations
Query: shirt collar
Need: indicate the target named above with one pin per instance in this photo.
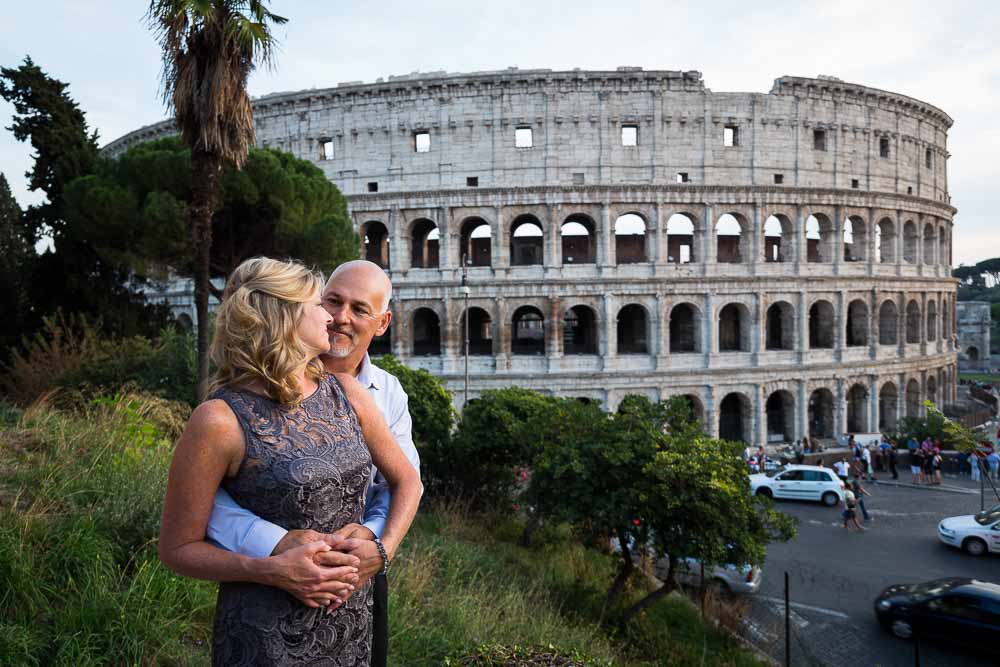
(367, 375)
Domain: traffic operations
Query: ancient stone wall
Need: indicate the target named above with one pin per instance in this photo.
(974, 334)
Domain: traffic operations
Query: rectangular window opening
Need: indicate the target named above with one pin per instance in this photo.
(854, 183)
(909, 189)
(883, 147)
(819, 140)
(630, 135)
(681, 177)
(326, 150)
(730, 136)
(928, 158)
(373, 186)
(422, 142)
(779, 179)
(472, 181)
(523, 138)
(578, 178)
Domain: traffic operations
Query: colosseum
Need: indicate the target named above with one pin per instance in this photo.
(781, 259)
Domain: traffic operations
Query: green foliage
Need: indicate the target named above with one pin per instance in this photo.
(498, 655)
(16, 253)
(936, 426)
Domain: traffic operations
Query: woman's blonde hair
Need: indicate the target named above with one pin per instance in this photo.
(256, 328)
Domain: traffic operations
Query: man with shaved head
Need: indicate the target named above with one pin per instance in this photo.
(357, 297)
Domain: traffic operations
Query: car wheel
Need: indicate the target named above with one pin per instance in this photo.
(830, 499)
(974, 546)
(764, 491)
(901, 629)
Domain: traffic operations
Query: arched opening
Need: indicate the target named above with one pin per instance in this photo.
(946, 315)
(820, 411)
(781, 326)
(734, 328)
(426, 333)
(480, 338)
(695, 408)
(526, 241)
(857, 409)
(930, 243)
(932, 320)
(888, 399)
(944, 255)
(734, 418)
(630, 239)
(912, 398)
(529, 331)
(729, 238)
(633, 324)
(185, 322)
(932, 389)
(888, 317)
(885, 241)
(376, 238)
(821, 325)
(580, 331)
(819, 232)
(577, 233)
(381, 345)
(972, 354)
(680, 239)
(685, 323)
(912, 322)
(855, 240)
(909, 242)
(780, 410)
(857, 323)
(425, 245)
(776, 230)
(476, 247)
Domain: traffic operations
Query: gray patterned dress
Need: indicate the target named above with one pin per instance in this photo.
(306, 467)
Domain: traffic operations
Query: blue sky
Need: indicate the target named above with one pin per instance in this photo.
(943, 53)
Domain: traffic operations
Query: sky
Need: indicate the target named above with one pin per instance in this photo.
(946, 54)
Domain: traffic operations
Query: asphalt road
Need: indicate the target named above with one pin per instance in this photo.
(835, 575)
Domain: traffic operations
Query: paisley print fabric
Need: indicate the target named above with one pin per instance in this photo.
(304, 468)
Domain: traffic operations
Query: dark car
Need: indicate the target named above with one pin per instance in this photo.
(960, 610)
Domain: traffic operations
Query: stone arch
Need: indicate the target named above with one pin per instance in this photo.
(580, 330)
(476, 244)
(819, 238)
(681, 236)
(426, 332)
(857, 409)
(780, 412)
(855, 239)
(630, 232)
(527, 241)
(822, 325)
(930, 243)
(780, 326)
(528, 331)
(695, 407)
(946, 316)
(912, 398)
(734, 328)
(972, 353)
(888, 319)
(731, 232)
(932, 389)
(425, 244)
(909, 242)
(735, 412)
(932, 320)
(778, 235)
(913, 322)
(480, 331)
(857, 323)
(633, 330)
(820, 413)
(685, 328)
(885, 241)
(578, 236)
(375, 237)
(888, 406)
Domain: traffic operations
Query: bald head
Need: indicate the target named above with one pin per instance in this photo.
(368, 276)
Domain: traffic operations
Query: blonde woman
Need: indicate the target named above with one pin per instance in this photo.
(295, 446)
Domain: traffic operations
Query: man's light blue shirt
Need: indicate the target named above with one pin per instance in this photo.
(236, 529)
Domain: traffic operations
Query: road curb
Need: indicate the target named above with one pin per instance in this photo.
(929, 487)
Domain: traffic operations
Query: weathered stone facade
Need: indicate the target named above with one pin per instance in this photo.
(783, 259)
(974, 334)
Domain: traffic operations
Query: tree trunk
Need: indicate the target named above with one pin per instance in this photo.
(205, 169)
(668, 586)
(628, 567)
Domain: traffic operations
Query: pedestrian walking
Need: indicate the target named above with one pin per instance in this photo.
(866, 462)
(993, 461)
(840, 467)
(859, 494)
(929, 467)
(936, 467)
(850, 513)
(892, 460)
(976, 461)
(917, 465)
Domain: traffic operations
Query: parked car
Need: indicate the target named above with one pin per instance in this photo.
(736, 579)
(800, 482)
(961, 610)
(976, 534)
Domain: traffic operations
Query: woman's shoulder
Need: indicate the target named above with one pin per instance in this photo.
(215, 419)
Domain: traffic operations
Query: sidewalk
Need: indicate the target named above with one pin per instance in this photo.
(949, 483)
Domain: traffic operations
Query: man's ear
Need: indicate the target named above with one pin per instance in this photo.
(386, 319)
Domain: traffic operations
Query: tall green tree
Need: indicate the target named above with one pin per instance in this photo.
(210, 48)
(16, 257)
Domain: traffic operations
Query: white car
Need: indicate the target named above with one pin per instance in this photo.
(743, 579)
(976, 534)
(800, 482)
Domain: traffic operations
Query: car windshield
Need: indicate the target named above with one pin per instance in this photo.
(778, 471)
(988, 517)
(937, 586)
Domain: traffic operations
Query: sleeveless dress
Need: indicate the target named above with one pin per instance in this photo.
(304, 468)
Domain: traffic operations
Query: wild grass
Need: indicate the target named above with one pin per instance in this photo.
(80, 583)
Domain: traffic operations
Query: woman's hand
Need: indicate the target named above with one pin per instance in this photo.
(296, 572)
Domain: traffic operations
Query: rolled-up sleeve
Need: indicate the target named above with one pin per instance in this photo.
(239, 530)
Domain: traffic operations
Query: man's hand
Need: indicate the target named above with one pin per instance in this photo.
(296, 571)
(357, 541)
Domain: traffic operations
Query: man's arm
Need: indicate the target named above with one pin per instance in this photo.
(241, 531)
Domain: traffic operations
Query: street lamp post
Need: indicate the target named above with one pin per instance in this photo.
(465, 317)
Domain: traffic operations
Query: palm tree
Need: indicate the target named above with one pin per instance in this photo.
(210, 47)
